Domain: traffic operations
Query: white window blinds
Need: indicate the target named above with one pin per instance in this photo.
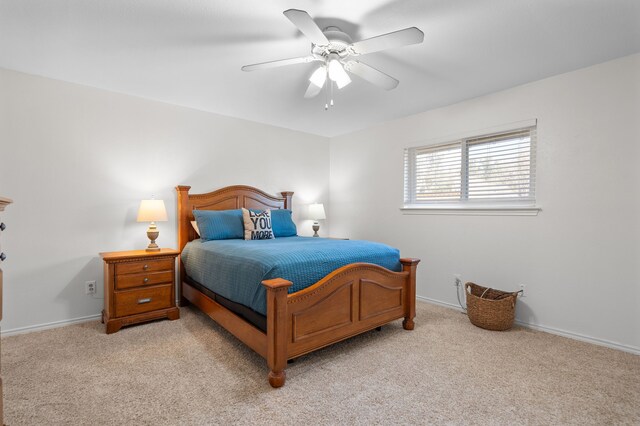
(490, 168)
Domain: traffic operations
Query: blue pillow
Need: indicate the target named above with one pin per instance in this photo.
(282, 224)
(219, 224)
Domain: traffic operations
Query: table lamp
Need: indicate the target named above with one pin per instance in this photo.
(152, 211)
(316, 213)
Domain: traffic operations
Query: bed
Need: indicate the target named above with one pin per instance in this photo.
(281, 324)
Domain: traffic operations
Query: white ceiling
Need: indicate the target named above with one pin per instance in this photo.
(189, 52)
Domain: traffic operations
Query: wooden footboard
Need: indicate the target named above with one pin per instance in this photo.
(351, 300)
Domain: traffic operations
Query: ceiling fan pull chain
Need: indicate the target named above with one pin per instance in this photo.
(326, 95)
(331, 82)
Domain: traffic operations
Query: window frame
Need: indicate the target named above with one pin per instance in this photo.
(464, 205)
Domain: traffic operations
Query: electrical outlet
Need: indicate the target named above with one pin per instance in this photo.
(90, 287)
(524, 293)
(457, 280)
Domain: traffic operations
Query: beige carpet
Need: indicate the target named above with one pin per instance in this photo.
(192, 372)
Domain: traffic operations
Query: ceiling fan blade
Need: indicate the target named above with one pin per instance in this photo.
(279, 63)
(387, 41)
(312, 91)
(307, 26)
(372, 75)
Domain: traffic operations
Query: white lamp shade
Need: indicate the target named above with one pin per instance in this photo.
(152, 211)
(338, 74)
(319, 76)
(316, 211)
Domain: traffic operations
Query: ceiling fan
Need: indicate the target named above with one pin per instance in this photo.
(337, 54)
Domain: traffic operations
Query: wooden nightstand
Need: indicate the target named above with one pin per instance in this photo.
(139, 286)
(3, 203)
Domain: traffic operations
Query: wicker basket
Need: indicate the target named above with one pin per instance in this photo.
(489, 308)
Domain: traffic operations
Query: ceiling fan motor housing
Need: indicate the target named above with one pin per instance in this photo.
(338, 43)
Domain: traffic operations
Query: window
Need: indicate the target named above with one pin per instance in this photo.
(484, 170)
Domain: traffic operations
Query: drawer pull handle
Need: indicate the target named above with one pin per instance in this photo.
(3, 226)
(145, 280)
(145, 300)
(145, 267)
(3, 256)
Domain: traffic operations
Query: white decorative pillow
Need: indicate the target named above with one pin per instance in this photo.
(257, 225)
(195, 227)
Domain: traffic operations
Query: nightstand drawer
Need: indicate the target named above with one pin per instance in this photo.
(145, 266)
(139, 280)
(144, 300)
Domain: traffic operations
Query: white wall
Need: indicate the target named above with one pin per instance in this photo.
(77, 161)
(579, 258)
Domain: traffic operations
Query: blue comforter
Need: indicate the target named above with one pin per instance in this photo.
(235, 268)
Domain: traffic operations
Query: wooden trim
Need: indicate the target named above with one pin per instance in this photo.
(6, 201)
(349, 301)
(3, 203)
(128, 255)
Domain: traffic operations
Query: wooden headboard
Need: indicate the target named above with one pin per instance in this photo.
(228, 198)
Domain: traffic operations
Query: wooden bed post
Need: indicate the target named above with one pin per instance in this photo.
(183, 235)
(287, 199)
(410, 265)
(277, 329)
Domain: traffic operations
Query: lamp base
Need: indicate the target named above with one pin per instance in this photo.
(152, 234)
(316, 228)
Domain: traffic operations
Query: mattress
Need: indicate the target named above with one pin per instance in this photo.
(235, 269)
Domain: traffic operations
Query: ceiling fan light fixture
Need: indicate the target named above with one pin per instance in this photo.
(337, 73)
(319, 76)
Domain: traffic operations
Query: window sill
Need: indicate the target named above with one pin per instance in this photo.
(467, 210)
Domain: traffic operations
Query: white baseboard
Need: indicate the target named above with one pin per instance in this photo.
(550, 330)
(581, 337)
(47, 326)
(438, 302)
(546, 329)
